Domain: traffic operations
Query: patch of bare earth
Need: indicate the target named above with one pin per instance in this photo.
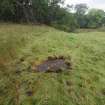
(53, 64)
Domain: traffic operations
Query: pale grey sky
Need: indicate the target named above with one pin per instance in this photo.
(100, 4)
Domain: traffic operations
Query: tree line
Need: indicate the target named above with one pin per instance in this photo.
(51, 12)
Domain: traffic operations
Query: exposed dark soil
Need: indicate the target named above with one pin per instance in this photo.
(29, 93)
(103, 92)
(53, 64)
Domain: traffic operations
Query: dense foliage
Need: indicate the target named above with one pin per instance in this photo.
(51, 12)
(28, 10)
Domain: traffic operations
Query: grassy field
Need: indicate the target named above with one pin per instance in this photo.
(83, 85)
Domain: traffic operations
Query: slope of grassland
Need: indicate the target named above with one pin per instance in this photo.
(21, 46)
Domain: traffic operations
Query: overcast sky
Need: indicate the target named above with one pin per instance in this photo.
(100, 4)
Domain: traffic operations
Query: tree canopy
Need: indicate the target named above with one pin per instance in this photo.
(50, 12)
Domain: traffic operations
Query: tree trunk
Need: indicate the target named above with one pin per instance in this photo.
(27, 9)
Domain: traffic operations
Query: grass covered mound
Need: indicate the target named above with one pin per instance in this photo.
(22, 46)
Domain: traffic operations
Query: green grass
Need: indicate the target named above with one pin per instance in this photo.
(84, 85)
